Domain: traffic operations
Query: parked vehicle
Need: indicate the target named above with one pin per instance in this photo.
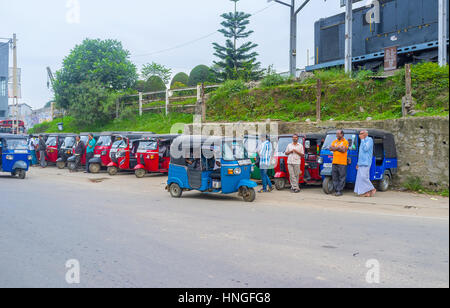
(71, 161)
(210, 165)
(123, 153)
(54, 143)
(384, 165)
(65, 151)
(14, 155)
(153, 155)
(102, 149)
(310, 168)
(252, 143)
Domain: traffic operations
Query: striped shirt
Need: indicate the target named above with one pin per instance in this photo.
(265, 155)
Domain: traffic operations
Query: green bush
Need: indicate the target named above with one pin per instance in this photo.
(199, 74)
(182, 78)
(273, 79)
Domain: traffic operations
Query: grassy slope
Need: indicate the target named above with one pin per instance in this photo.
(342, 98)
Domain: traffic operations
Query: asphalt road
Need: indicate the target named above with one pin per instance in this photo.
(128, 232)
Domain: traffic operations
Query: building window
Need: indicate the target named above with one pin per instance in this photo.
(2, 114)
(3, 86)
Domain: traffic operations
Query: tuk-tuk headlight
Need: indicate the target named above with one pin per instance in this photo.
(237, 171)
(30, 157)
(9, 157)
(320, 160)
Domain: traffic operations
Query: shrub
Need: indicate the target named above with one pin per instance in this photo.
(199, 74)
(182, 78)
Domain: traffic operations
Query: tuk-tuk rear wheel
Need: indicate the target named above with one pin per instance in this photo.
(248, 194)
(327, 185)
(112, 171)
(280, 183)
(60, 164)
(385, 183)
(71, 166)
(94, 168)
(175, 190)
(140, 173)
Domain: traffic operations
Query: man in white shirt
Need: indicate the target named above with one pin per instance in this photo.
(295, 152)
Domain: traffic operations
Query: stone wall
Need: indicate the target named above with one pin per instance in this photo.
(422, 144)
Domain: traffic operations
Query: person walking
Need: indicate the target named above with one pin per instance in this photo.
(90, 147)
(339, 147)
(363, 185)
(32, 148)
(78, 152)
(42, 148)
(295, 152)
(265, 163)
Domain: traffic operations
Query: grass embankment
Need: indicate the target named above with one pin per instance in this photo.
(343, 98)
(153, 122)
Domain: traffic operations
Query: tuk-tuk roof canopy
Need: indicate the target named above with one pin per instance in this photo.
(159, 136)
(388, 138)
(198, 140)
(13, 136)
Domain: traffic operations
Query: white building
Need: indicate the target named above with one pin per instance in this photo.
(25, 114)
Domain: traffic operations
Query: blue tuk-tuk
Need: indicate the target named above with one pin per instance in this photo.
(384, 165)
(210, 165)
(14, 155)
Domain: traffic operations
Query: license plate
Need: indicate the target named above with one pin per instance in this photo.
(97, 155)
(328, 165)
(245, 162)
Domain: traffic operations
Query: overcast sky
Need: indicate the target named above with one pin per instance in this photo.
(146, 27)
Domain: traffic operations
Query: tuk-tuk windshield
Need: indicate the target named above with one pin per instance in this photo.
(51, 141)
(148, 145)
(68, 142)
(251, 144)
(283, 143)
(234, 150)
(104, 141)
(84, 139)
(16, 144)
(119, 144)
(351, 138)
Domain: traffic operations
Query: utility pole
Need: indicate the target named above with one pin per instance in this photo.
(348, 35)
(443, 11)
(15, 83)
(293, 37)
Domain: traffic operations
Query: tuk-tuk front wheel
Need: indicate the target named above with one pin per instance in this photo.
(94, 168)
(327, 185)
(20, 173)
(140, 173)
(60, 164)
(113, 171)
(280, 183)
(385, 183)
(248, 194)
(71, 166)
(175, 190)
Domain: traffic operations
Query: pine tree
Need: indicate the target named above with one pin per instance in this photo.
(236, 61)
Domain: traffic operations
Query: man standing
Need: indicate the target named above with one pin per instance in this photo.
(265, 162)
(363, 186)
(32, 149)
(339, 147)
(78, 152)
(295, 152)
(90, 151)
(42, 148)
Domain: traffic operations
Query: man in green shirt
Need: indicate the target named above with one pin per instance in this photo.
(90, 150)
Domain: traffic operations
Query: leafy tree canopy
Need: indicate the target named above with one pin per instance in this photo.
(155, 69)
(199, 74)
(155, 83)
(181, 78)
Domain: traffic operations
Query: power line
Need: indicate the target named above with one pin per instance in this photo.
(195, 40)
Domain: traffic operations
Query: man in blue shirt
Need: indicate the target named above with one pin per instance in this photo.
(90, 151)
(363, 185)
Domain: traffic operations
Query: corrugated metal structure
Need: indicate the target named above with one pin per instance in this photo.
(409, 25)
(4, 64)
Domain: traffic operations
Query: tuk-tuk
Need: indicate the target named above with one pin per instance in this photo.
(101, 151)
(14, 155)
(210, 165)
(310, 168)
(54, 143)
(65, 151)
(71, 161)
(123, 153)
(252, 143)
(384, 165)
(153, 155)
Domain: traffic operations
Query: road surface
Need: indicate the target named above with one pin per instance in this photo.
(128, 232)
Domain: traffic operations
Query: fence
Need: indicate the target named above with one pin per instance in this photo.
(158, 101)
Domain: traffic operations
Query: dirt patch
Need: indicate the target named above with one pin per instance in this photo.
(99, 180)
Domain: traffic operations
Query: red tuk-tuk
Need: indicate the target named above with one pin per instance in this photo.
(310, 167)
(102, 149)
(153, 155)
(123, 153)
(71, 161)
(54, 142)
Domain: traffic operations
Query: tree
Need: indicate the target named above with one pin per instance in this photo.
(100, 64)
(155, 83)
(199, 74)
(181, 78)
(155, 69)
(236, 61)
